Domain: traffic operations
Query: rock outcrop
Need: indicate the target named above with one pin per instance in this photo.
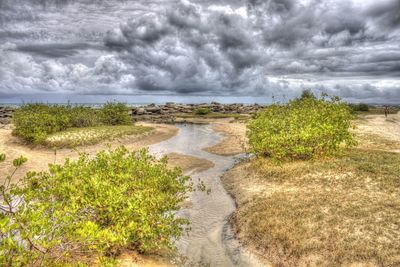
(172, 108)
(166, 112)
(6, 114)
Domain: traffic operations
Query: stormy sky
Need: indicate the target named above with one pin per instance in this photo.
(349, 48)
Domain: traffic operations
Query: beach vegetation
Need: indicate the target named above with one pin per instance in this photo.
(305, 128)
(202, 111)
(34, 122)
(359, 107)
(86, 211)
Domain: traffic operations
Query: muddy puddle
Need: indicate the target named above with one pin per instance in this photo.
(210, 241)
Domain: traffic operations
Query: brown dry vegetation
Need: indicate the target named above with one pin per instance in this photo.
(329, 212)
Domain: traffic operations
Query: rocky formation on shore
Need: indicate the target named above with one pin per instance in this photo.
(166, 112)
(169, 111)
(6, 114)
(173, 108)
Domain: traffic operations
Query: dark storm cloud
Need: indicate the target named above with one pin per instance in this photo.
(53, 50)
(386, 12)
(364, 91)
(253, 47)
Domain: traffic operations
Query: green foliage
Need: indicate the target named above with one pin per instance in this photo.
(19, 161)
(115, 114)
(84, 117)
(302, 129)
(93, 207)
(359, 107)
(307, 94)
(34, 122)
(202, 111)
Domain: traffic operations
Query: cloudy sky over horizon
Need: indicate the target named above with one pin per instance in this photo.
(350, 48)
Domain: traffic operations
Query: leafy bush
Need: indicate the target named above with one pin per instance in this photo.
(34, 122)
(302, 129)
(359, 107)
(307, 94)
(84, 117)
(115, 114)
(93, 208)
(202, 111)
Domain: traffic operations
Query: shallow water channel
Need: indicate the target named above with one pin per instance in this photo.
(210, 241)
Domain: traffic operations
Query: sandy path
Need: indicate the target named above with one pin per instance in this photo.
(378, 132)
(39, 158)
(388, 128)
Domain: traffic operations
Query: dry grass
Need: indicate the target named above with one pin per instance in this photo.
(324, 213)
(92, 135)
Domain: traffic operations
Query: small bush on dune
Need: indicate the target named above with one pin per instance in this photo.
(304, 128)
(307, 94)
(34, 122)
(359, 107)
(115, 114)
(84, 117)
(202, 111)
(91, 207)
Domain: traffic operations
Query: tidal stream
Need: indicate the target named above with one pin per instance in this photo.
(210, 241)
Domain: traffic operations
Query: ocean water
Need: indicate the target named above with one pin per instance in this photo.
(134, 100)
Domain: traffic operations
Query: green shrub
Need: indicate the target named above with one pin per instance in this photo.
(359, 107)
(307, 94)
(202, 111)
(92, 207)
(302, 129)
(34, 122)
(84, 117)
(115, 114)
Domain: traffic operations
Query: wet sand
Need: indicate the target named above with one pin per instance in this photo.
(234, 141)
(189, 164)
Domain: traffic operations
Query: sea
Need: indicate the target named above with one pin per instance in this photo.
(131, 100)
